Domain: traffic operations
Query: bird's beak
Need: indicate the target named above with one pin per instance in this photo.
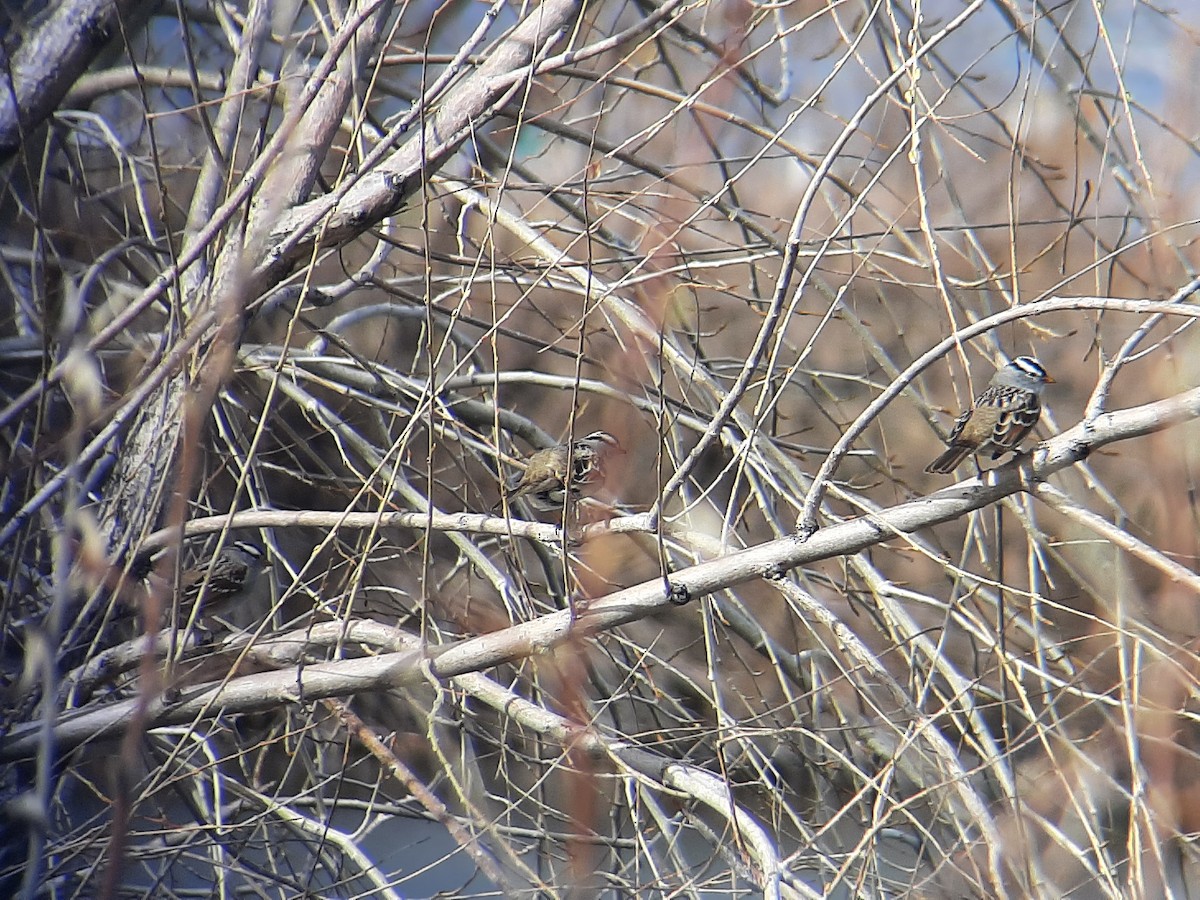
(1049, 380)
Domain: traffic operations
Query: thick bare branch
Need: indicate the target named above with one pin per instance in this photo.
(384, 188)
(52, 53)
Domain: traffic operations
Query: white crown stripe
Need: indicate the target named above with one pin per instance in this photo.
(1029, 366)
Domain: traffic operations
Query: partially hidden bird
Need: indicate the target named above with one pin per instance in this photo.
(554, 471)
(216, 582)
(1000, 417)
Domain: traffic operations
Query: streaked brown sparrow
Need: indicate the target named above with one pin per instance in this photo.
(549, 473)
(1000, 417)
(217, 582)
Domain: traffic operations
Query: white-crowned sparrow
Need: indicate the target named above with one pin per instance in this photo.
(549, 472)
(218, 581)
(1000, 417)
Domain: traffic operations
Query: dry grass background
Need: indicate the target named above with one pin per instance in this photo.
(720, 237)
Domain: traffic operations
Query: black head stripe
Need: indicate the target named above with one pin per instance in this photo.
(1030, 367)
(598, 438)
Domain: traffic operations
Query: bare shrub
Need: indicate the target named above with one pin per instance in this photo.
(323, 281)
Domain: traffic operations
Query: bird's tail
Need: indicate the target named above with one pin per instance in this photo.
(948, 461)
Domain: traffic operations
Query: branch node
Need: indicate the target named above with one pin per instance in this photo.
(677, 594)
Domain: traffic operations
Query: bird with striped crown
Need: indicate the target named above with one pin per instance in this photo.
(565, 470)
(217, 582)
(1000, 417)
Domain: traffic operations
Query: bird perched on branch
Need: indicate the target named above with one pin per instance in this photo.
(1000, 417)
(230, 575)
(222, 580)
(550, 473)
